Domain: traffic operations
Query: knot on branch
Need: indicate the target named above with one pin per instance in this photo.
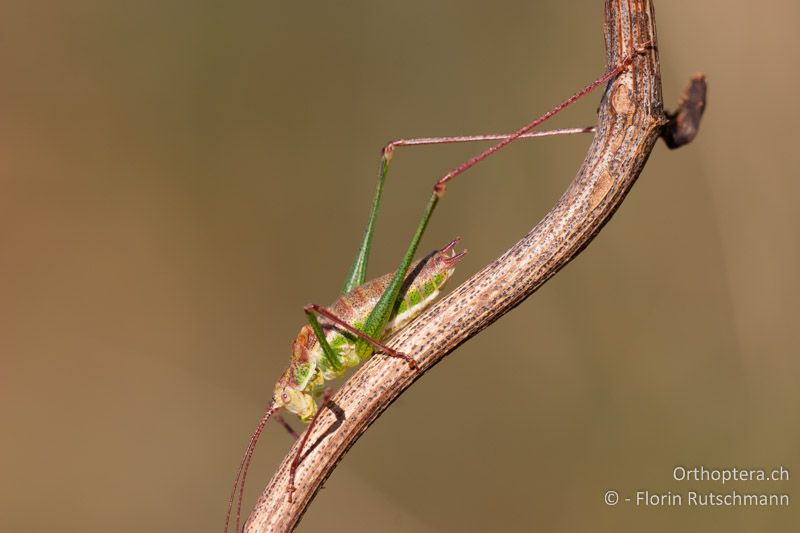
(684, 122)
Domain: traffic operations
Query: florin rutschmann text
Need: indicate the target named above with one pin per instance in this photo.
(698, 493)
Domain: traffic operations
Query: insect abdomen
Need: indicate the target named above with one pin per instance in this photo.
(419, 296)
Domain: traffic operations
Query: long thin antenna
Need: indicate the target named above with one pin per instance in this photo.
(243, 466)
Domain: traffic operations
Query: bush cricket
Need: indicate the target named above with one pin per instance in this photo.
(368, 312)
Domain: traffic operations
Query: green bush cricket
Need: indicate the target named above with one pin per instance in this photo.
(353, 328)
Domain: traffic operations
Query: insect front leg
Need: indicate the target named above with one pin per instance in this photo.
(296, 461)
(289, 429)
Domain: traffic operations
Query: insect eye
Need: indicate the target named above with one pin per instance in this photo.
(284, 397)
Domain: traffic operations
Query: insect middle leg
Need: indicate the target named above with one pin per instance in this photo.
(313, 309)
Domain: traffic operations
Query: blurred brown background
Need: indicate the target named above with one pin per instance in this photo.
(179, 178)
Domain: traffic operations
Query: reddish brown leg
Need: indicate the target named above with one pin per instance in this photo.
(296, 461)
(282, 421)
(520, 133)
(318, 309)
(425, 141)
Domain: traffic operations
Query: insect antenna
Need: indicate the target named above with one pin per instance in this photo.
(243, 466)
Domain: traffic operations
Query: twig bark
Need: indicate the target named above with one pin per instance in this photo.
(631, 119)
